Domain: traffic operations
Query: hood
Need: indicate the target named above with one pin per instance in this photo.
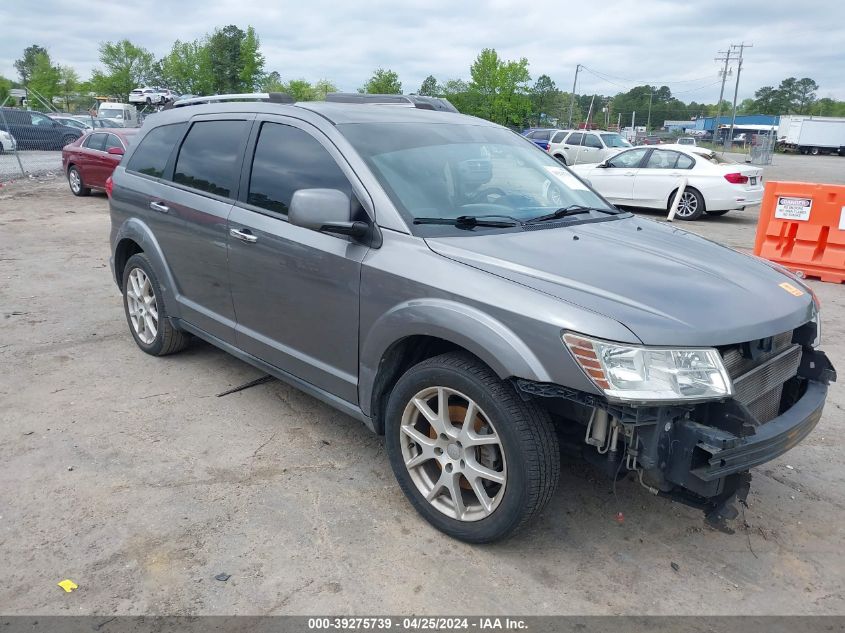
(668, 286)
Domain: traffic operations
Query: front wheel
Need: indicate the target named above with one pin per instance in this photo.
(473, 458)
(145, 311)
(691, 206)
(77, 186)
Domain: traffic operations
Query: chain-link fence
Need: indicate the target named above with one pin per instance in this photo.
(762, 148)
(33, 131)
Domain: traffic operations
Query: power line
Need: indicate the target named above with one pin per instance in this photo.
(605, 76)
(680, 92)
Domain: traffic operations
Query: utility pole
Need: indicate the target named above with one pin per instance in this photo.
(572, 102)
(650, 97)
(741, 47)
(724, 72)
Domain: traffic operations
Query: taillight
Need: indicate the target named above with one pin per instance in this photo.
(109, 186)
(737, 178)
(548, 146)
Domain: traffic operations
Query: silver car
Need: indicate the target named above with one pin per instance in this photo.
(454, 288)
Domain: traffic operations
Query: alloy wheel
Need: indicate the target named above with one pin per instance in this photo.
(453, 454)
(142, 305)
(688, 205)
(75, 181)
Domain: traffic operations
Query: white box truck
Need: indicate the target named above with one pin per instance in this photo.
(812, 135)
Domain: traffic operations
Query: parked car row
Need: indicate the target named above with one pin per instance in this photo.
(572, 147)
(150, 96)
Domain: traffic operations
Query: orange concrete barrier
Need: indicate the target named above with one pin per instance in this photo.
(802, 227)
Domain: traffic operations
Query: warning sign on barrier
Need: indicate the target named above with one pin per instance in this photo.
(793, 208)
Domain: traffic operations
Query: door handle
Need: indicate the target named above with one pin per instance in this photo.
(158, 206)
(243, 235)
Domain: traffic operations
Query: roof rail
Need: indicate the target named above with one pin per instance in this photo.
(405, 101)
(272, 97)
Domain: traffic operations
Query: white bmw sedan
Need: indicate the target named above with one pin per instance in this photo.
(650, 176)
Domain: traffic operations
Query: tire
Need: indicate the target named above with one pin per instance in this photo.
(516, 472)
(142, 290)
(814, 151)
(691, 206)
(77, 185)
(149, 101)
(561, 158)
(721, 212)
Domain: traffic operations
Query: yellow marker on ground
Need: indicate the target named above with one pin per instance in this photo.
(68, 585)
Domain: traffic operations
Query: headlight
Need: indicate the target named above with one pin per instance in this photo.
(644, 374)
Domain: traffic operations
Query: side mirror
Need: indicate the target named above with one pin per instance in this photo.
(325, 210)
(116, 151)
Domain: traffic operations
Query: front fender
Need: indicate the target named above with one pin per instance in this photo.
(134, 229)
(470, 328)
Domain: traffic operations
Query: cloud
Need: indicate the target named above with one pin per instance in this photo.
(625, 42)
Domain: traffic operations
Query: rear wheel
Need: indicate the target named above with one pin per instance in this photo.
(561, 158)
(814, 151)
(145, 311)
(77, 186)
(474, 459)
(691, 206)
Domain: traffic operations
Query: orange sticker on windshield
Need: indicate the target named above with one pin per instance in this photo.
(795, 292)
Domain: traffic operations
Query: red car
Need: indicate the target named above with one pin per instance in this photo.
(91, 159)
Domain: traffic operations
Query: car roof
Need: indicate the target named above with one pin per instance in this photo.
(336, 113)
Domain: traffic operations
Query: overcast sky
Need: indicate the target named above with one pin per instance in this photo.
(627, 41)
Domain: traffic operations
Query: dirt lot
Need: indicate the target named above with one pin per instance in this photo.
(126, 474)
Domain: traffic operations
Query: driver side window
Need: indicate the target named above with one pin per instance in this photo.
(629, 159)
(40, 119)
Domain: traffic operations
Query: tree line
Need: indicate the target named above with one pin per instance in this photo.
(229, 60)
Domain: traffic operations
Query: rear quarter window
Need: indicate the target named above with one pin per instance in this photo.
(150, 158)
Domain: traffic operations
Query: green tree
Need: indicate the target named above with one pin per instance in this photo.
(805, 94)
(251, 61)
(127, 66)
(25, 64)
(766, 100)
(827, 106)
(225, 59)
(429, 87)
(272, 82)
(323, 87)
(68, 84)
(187, 68)
(44, 79)
(300, 90)
(5, 87)
(499, 89)
(385, 82)
(544, 99)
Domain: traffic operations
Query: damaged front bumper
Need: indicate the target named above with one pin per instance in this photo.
(699, 455)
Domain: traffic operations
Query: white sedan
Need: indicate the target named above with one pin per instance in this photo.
(650, 176)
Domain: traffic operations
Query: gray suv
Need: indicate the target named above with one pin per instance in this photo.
(459, 291)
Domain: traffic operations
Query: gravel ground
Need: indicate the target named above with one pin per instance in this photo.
(35, 163)
(126, 474)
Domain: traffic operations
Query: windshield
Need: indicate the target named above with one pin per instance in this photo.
(614, 140)
(444, 170)
(108, 113)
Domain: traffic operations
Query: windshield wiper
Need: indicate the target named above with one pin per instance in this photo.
(471, 221)
(572, 209)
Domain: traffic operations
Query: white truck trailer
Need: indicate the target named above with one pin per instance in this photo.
(812, 135)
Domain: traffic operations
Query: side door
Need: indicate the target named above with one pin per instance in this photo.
(89, 161)
(108, 161)
(45, 132)
(590, 151)
(615, 180)
(187, 207)
(295, 290)
(658, 177)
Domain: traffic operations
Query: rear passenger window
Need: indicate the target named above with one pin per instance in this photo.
(113, 141)
(150, 158)
(685, 162)
(575, 139)
(96, 141)
(210, 156)
(591, 140)
(287, 159)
